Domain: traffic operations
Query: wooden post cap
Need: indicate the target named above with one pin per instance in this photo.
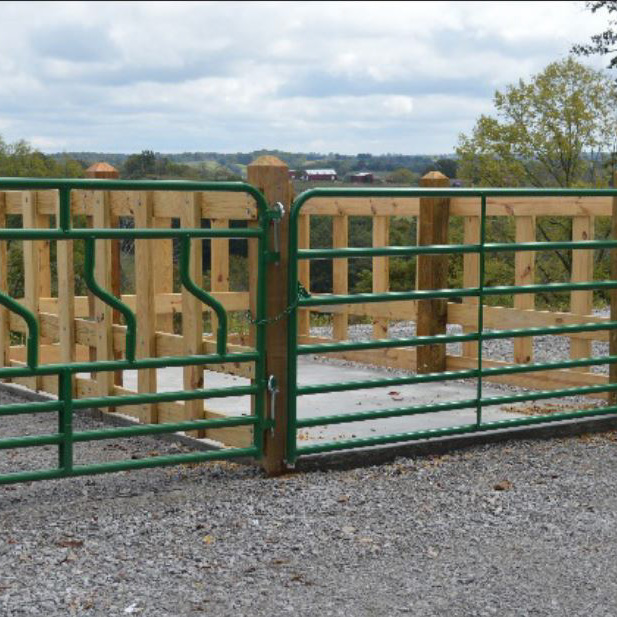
(434, 178)
(102, 170)
(267, 161)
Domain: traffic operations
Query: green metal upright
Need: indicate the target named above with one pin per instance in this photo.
(67, 404)
(482, 249)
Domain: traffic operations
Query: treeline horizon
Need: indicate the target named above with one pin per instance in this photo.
(236, 162)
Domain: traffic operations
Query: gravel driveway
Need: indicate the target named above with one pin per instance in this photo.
(522, 528)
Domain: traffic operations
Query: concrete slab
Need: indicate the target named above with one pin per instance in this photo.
(311, 371)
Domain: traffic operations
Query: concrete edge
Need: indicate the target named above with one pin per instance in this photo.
(377, 455)
(366, 456)
(120, 420)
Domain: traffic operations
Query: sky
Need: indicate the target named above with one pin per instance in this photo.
(346, 77)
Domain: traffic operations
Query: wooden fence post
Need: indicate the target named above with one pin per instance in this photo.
(66, 299)
(581, 302)
(524, 273)
(304, 272)
(105, 171)
(163, 260)
(340, 274)
(432, 273)
(471, 275)
(5, 334)
(271, 176)
(192, 311)
(144, 303)
(103, 313)
(381, 271)
(612, 334)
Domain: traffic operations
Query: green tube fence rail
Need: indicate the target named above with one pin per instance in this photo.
(482, 249)
(65, 436)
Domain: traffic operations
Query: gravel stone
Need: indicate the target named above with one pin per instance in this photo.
(521, 528)
(430, 536)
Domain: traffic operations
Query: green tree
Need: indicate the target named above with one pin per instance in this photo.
(141, 165)
(604, 43)
(402, 176)
(448, 167)
(20, 159)
(554, 130)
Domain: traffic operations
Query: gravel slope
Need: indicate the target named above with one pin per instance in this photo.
(429, 537)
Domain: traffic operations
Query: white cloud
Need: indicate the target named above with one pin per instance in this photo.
(173, 76)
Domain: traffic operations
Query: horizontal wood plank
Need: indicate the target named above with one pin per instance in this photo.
(538, 380)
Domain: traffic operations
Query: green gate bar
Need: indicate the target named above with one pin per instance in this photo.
(66, 405)
(482, 249)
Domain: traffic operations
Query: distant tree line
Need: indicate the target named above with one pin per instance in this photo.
(222, 166)
(148, 164)
(20, 159)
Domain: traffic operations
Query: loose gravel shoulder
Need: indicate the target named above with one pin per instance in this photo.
(523, 528)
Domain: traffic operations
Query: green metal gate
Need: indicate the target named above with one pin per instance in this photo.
(477, 403)
(65, 437)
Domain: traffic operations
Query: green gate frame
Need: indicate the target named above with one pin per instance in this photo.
(299, 300)
(66, 404)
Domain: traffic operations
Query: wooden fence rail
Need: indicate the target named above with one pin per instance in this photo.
(525, 213)
(81, 328)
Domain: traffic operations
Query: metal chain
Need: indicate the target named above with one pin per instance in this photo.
(301, 293)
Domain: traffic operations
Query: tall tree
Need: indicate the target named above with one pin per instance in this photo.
(553, 130)
(21, 159)
(603, 43)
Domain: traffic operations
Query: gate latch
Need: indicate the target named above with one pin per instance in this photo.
(276, 214)
(273, 389)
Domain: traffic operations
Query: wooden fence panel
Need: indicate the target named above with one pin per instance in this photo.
(471, 276)
(524, 272)
(304, 271)
(340, 239)
(144, 292)
(581, 302)
(381, 270)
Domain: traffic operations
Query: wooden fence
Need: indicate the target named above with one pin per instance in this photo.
(523, 314)
(82, 327)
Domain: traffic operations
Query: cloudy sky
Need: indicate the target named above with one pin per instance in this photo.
(346, 77)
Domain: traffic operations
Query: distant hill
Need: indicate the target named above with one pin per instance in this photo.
(91, 157)
(237, 162)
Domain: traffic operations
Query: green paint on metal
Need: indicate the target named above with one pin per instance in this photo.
(482, 249)
(32, 344)
(480, 324)
(203, 296)
(66, 405)
(111, 300)
(65, 437)
(347, 444)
